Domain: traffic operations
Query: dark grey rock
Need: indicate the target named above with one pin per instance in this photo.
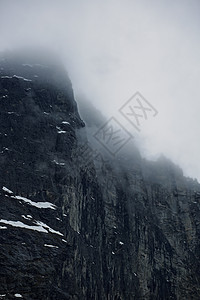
(130, 230)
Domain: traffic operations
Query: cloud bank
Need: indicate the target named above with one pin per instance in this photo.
(112, 49)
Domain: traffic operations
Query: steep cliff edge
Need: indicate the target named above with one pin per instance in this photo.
(71, 231)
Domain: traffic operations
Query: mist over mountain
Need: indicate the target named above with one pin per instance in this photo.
(112, 49)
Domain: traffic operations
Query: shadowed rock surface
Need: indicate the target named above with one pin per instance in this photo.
(73, 229)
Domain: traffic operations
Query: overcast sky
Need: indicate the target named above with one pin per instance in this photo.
(114, 48)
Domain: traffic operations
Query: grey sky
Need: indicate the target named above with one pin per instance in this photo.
(114, 48)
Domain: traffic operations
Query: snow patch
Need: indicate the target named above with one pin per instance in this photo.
(50, 246)
(65, 122)
(16, 76)
(60, 130)
(26, 217)
(22, 225)
(36, 204)
(3, 227)
(40, 226)
(5, 189)
(20, 77)
(43, 225)
(6, 77)
(57, 163)
(18, 295)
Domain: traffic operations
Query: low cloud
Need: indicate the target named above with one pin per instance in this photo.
(112, 49)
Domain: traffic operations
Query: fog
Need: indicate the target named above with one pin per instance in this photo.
(113, 49)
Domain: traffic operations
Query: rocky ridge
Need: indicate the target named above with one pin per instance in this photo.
(70, 231)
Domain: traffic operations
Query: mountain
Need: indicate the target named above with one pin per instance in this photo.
(76, 227)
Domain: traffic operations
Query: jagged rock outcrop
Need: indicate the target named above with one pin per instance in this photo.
(127, 230)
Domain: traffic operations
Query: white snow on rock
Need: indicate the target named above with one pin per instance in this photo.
(121, 243)
(36, 204)
(57, 163)
(26, 217)
(60, 130)
(16, 76)
(3, 227)
(40, 226)
(6, 76)
(39, 223)
(50, 246)
(5, 189)
(64, 241)
(18, 295)
(22, 225)
(20, 77)
(65, 122)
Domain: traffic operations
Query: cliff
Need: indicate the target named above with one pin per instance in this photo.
(74, 229)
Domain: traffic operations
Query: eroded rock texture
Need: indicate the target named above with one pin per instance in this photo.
(129, 230)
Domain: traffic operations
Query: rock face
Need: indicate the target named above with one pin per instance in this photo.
(129, 230)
